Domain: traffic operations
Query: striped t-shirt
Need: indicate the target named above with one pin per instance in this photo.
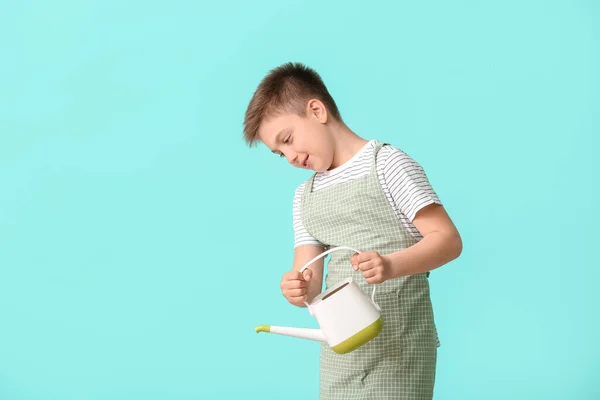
(402, 179)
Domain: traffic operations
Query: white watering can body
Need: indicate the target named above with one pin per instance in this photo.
(348, 318)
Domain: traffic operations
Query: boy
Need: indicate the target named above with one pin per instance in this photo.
(369, 196)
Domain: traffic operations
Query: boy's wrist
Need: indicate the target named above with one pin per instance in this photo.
(396, 264)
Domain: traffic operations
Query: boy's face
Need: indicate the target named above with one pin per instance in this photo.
(305, 141)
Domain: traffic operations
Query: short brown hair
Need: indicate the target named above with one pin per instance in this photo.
(286, 88)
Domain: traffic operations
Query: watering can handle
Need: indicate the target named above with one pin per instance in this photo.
(327, 252)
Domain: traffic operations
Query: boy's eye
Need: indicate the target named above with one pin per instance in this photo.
(281, 155)
(287, 139)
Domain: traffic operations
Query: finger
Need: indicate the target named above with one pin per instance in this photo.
(366, 265)
(307, 274)
(363, 257)
(295, 293)
(373, 280)
(356, 259)
(295, 284)
(292, 275)
(370, 273)
(297, 299)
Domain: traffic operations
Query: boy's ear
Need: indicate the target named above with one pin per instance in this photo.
(316, 109)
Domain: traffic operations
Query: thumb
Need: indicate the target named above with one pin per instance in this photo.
(354, 261)
(307, 274)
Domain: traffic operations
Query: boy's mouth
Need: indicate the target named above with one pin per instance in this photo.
(305, 163)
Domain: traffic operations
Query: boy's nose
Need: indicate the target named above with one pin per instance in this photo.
(292, 157)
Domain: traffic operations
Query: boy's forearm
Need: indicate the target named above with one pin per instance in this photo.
(431, 252)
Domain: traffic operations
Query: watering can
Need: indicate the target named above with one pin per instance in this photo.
(348, 318)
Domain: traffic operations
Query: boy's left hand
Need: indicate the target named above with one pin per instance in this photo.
(375, 267)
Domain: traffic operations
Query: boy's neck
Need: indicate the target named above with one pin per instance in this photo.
(346, 144)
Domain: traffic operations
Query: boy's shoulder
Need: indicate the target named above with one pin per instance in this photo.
(392, 154)
(389, 148)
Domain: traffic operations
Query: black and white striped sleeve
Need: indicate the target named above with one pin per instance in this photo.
(408, 184)
(301, 235)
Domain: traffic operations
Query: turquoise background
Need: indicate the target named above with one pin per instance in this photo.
(141, 241)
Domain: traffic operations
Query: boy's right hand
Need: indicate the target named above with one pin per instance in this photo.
(294, 286)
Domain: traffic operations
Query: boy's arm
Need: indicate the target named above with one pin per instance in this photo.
(304, 254)
(441, 244)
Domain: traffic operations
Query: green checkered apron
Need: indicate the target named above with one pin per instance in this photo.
(400, 362)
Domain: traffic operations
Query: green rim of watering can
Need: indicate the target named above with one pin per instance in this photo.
(360, 338)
